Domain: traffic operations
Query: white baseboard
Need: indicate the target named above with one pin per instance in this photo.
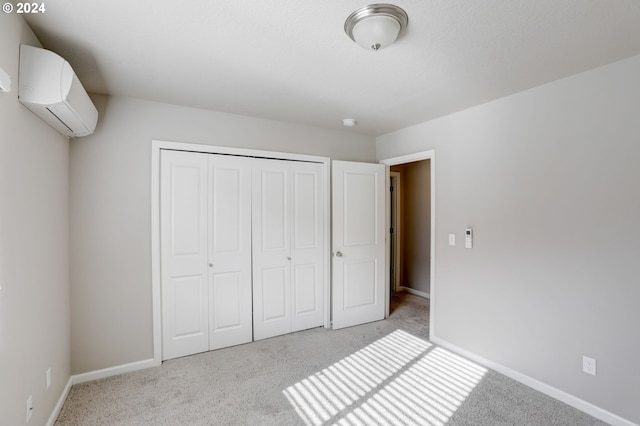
(416, 292)
(63, 397)
(95, 375)
(568, 399)
(113, 371)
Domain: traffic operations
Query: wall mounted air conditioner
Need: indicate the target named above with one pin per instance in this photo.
(49, 87)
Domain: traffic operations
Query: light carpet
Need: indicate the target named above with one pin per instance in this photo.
(386, 373)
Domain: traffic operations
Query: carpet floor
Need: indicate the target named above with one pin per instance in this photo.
(385, 373)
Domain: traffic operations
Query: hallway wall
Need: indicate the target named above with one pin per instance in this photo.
(415, 221)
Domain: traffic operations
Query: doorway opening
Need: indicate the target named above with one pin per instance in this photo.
(411, 224)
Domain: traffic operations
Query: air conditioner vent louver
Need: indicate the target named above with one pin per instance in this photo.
(52, 113)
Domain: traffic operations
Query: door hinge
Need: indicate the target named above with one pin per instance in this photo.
(391, 188)
(391, 231)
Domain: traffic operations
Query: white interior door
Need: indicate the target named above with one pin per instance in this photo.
(358, 243)
(271, 248)
(229, 262)
(183, 223)
(307, 245)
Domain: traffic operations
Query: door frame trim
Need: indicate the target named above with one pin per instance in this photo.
(418, 156)
(159, 145)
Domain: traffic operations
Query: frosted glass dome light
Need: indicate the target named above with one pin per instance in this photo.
(376, 26)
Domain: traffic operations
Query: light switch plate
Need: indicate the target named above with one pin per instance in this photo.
(452, 239)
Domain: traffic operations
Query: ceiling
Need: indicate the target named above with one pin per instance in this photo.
(290, 60)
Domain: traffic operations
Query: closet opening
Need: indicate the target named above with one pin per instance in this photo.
(240, 244)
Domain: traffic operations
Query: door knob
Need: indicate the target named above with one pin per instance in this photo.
(288, 257)
(210, 265)
(338, 254)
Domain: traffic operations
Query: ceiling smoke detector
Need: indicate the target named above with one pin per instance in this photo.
(376, 26)
(349, 122)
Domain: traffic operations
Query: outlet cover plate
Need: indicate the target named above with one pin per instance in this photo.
(589, 365)
(29, 408)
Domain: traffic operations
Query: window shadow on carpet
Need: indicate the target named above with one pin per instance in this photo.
(399, 379)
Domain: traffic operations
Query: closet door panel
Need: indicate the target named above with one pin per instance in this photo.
(229, 241)
(305, 283)
(273, 207)
(271, 248)
(183, 223)
(274, 294)
(307, 245)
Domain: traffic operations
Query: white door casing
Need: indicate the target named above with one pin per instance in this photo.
(358, 211)
(229, 250)
(183, 222)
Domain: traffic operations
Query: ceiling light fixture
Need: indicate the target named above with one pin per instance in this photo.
(349, 122)
(376, 26)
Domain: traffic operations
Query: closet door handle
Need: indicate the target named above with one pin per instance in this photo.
(288, 257)
(210, 265)
(338, 254)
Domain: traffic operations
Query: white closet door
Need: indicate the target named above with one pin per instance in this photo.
(183, 222)
(358, 243)
(307, 237)
(271, 248)
(230, 321)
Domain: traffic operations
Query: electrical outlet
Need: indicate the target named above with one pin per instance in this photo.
(48, 377)
(29, 408)
(589, 365)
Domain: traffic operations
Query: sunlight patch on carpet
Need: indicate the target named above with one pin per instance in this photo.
(396, 380)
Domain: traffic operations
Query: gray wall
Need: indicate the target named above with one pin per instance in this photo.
(550, 181)
(110, 212)
(34, 253)
(415, 227)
